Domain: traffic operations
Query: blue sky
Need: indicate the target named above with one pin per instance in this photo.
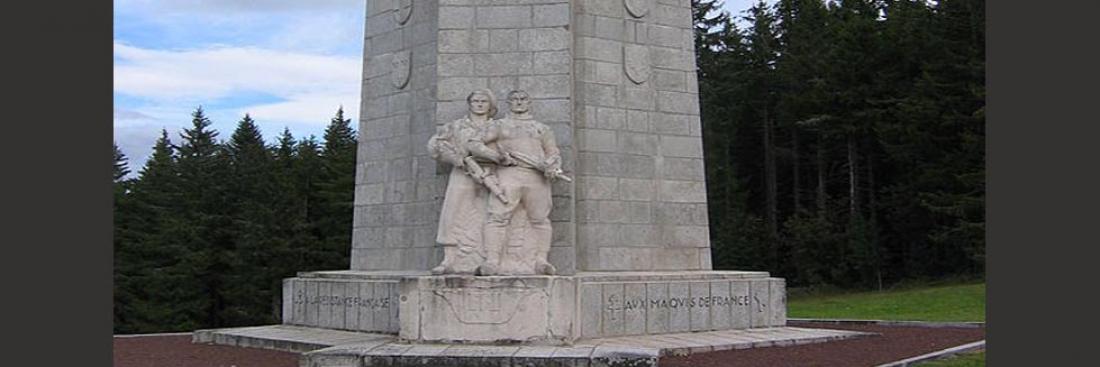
(288, 63)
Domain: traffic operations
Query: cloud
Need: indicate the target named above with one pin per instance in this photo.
(221, 71)
(328, 26)
(124, 114)
(317, 108)
(240, 6)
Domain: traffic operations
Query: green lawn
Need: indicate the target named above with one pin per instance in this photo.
(959, 360)
(956, 302)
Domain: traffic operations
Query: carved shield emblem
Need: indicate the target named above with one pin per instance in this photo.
(402, 11)
(402, 68)
(637, 8)
(636, 63)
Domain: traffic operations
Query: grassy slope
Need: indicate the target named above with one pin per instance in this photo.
(957, 302)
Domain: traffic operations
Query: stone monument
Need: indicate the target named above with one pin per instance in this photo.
(579, 212)
(483, 237)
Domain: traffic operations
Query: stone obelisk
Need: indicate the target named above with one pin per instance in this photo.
(616, 81)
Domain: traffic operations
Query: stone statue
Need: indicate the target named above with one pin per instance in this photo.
(462, 216)
(529, 159)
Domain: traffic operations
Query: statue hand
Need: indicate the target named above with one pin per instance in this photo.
(507, 160)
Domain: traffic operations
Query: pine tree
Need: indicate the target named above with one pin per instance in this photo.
(737, 235)
(308, 172)
(120, 169)
(253, 281)
(208, 225)
(149, 248)
(123, 292)
(337, 190)
(762, 84)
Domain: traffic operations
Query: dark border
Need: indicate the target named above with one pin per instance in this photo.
(57, 183)
(1043, 179)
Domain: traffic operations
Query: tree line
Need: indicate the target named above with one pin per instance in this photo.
(845, 140)
(207, 230)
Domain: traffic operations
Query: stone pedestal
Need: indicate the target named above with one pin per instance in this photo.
(534, 309)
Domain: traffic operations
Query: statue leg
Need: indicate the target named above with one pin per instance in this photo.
(496, 228)
(538, 203)
(446, 266)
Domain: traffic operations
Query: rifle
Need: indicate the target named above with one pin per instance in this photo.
(551, 172)
(484, 178)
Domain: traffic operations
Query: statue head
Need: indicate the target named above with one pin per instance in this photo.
(482, 103)
(519, 101)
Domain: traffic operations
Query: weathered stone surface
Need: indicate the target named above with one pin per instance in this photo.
(760, 303)
(700, 314)
(328, 348)
(334, 303)
(487, 309)
(778, 296)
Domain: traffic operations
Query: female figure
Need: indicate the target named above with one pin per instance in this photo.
(463, 214)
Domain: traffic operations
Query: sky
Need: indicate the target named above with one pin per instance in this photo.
(287, 63)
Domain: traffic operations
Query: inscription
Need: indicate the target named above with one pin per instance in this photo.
(614, 303)
(300, 298)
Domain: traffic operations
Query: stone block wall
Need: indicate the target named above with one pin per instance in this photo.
(641, 194)
(398, 191)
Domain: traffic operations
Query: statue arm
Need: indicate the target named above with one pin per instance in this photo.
(442, 148)
(479, 145)
(550, 149)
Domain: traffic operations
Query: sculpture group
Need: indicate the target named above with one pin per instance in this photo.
(495, 218)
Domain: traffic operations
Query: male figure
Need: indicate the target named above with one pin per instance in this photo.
(462, 216)
(529, 159)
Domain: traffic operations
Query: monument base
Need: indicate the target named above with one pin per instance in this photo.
(533, 309)
(332, 348)
(341, 318)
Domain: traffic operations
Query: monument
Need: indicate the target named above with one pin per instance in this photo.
(484, 236)
(576, 212)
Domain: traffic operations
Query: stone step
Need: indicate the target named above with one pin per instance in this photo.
(286, 338)
(333, 348)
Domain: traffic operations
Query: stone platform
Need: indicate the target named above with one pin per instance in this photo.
(389, 318)
(331, 348)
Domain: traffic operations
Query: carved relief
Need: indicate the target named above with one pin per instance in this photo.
(402, 69)
(637, 8)
(636, 63)
(487, 306)
(402, 11)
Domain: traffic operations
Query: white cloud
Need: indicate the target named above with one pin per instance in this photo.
(317, 108)
(240, 6)
(217, 72)
(124, 114)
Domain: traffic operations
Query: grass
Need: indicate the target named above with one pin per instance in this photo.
(959, 360)
(951, 302)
